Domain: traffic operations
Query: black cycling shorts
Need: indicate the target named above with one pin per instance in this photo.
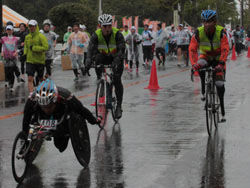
(32, 68)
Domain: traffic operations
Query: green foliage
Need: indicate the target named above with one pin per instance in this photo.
(247, 15)
(67, 14)
(144, 9)
(192, 10)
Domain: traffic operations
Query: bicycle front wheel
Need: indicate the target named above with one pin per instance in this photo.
(209, 113)
(18, 164)
(101, 102)
(113, 104)
(216, 110)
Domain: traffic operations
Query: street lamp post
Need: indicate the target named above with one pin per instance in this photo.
(241, 12)
(100, 7)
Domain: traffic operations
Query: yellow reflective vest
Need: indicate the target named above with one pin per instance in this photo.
(103, 47)
(205, 45)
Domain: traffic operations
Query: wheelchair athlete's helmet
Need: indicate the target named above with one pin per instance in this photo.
(105, 19)
(207, 15)
(46, 93)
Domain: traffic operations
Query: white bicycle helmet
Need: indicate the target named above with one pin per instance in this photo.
(105, 19)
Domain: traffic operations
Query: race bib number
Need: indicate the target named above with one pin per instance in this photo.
(49, 124)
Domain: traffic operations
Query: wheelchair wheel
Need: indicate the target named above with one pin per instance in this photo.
(19, 164)
(80, 141)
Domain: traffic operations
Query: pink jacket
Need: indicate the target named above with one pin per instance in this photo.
(9, 47)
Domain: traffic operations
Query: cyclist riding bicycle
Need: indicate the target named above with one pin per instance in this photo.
(50, 102)
(212, 41)
(107, 46)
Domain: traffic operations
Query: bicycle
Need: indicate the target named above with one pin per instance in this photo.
(26, 147)
(212, 103)
(105, 99)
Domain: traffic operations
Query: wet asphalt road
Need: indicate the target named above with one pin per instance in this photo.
(161, 140)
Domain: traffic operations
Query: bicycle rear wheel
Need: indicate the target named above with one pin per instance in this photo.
(101, 101)
(80, 141)
(19, 165)
(209, 113)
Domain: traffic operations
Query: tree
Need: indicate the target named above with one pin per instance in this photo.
(191, 11)
(67, 14)
(144, 9)
(34, 9)
(247, 15)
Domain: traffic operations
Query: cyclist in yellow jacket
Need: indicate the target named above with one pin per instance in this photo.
(211, 40)
(107, 46)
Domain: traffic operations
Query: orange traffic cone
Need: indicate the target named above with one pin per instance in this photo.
(153, 82)
(233, 58)
(248, 53)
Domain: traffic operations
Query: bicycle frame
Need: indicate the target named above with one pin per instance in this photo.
(104, 93)
(209, 79)
(106, 76)
(211, 106)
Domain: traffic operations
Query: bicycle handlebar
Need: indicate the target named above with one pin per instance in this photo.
(209, 68)
(98, 66)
